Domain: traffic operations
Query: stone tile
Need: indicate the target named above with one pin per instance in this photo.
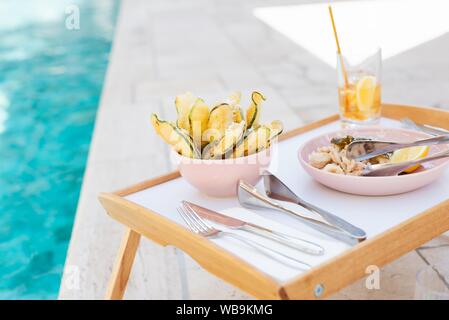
(436, 253)
(207, 87)
(309, 96)
(156, 274)
(316, 112)
(420, 93)
(128, 132)
(397, 281)
(201, 284)
(442, 240)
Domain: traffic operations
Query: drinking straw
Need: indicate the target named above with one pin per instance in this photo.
(345, 77)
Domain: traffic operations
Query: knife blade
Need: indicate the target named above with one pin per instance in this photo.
(234, 223)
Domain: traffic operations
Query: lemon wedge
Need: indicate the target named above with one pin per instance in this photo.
(407, 154)
(365, 91)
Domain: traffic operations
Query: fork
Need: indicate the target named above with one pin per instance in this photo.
(409, 123)
(199, 226)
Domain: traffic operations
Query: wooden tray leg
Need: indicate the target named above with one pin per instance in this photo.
(123, 264)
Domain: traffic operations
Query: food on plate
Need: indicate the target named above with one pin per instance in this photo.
(332, 158)
(178, 138)
(254, 141)
(223, 131)
(253, 112)
(221, 148)
(183, 104)
(413, 153)
(220, 118)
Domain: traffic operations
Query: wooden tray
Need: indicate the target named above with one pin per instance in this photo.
(399, 237)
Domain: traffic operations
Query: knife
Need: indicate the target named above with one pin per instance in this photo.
(234, 223)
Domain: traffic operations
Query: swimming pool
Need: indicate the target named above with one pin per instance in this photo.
(50, 83)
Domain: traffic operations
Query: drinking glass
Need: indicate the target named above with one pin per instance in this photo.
(432, 283)
(359, 86)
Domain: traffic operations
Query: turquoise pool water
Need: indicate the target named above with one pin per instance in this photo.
(50, 84)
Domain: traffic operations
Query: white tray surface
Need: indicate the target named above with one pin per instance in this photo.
(373, 214)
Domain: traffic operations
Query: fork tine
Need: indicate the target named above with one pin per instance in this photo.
(187, 220)
(198, 219)
(194, 219)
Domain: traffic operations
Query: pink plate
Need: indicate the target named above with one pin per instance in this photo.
(374, 186)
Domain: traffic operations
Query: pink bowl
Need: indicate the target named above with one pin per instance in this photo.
(374, 186)
(219, 177)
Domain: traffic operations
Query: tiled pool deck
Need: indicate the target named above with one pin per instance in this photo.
(163, 48)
